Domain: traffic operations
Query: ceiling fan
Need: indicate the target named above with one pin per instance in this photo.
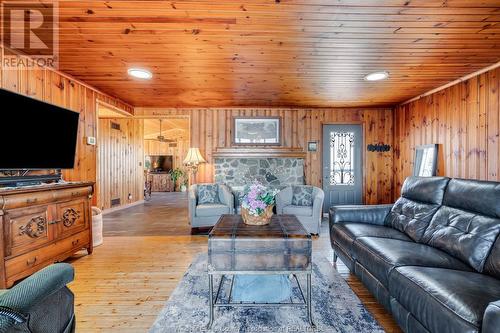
(161, 138)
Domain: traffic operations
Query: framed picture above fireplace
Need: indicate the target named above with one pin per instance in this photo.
(250, 131)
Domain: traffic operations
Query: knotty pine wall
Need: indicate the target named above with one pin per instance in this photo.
(57, 88)
(211, 128)
(463, 119)
(120, 161)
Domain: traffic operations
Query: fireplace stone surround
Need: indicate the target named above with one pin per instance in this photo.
(276, 172)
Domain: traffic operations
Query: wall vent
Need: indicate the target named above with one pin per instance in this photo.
(115, 126)
(115, 202)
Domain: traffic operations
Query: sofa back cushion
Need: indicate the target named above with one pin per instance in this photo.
(468, 223)
(420, 199)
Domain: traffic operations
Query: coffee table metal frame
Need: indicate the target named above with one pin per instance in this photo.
(213, 301)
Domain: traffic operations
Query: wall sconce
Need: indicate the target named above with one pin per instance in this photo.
(379, 147)
(193, 160)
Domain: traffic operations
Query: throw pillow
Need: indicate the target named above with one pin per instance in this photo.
(207, 193)
(302, 195)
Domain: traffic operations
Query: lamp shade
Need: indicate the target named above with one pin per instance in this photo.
(194, 157)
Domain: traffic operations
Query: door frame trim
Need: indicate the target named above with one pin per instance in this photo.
(363, 152)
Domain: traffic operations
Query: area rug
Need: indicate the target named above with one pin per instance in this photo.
(335, 307)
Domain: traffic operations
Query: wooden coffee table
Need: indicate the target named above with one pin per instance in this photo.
(281, 247)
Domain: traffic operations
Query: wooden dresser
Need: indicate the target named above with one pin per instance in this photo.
(160, 182)
(41, 225)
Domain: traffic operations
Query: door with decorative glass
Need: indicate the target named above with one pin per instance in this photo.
(342, 165)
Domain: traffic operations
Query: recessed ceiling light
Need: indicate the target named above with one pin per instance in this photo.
(377, 76)
(140, 73)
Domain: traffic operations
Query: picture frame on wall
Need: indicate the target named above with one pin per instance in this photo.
(260, 131)
(426, 160)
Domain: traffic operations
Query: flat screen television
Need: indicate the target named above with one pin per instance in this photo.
(35, 134)
(159, 163)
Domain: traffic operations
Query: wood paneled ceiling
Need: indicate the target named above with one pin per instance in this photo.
(276, 52)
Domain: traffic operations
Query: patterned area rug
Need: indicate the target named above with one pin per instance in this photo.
(335, 307)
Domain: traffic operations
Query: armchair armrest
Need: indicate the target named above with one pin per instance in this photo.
(491, 318)
(370, 214)
(318, 205)
(226, 197)
(192, 203)
(283, 198)
(24, 297)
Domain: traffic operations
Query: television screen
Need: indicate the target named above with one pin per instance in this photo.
(36, 135)
(159, 163)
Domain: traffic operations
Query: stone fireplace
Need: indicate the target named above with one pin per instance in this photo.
(272, 172)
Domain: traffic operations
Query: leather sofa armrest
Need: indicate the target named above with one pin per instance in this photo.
(491, 318)
(370, 214)
(23, 297)
(226, 197)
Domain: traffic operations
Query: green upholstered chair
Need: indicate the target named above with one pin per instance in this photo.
(40, 304)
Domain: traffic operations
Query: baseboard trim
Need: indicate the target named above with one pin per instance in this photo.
(114, 209)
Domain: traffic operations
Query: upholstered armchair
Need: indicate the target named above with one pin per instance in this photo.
(308, 214)
(207, 214)
(41, 303)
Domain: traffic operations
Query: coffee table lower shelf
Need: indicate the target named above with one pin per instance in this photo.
(215, 302)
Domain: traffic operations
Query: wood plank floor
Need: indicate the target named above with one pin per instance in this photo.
(124, 284)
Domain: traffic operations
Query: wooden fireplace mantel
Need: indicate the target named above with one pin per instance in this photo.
(259, 152)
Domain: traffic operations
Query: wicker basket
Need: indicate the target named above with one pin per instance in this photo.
(262, 219)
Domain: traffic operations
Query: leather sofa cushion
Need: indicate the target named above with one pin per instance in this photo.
(381, 255)
(298, 210)
(444, 300)
(428, 190)
(465, 235)
(411, 217)
(344, 233)
(482, 197)
(205, 210)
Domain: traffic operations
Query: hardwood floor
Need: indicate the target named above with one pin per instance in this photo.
(165, 214)
(124, 284)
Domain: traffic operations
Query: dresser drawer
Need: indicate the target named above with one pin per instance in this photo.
(26, 229)
(24, 264)
(72, 216)
(24, 200)
(73, 193)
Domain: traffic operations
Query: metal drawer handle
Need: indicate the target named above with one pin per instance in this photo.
(31, 262)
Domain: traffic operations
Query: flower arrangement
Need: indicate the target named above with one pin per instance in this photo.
(257, 203)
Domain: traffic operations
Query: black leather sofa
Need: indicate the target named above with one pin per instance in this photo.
(433, 258)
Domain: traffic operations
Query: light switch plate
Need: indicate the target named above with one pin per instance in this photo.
(91, 141)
